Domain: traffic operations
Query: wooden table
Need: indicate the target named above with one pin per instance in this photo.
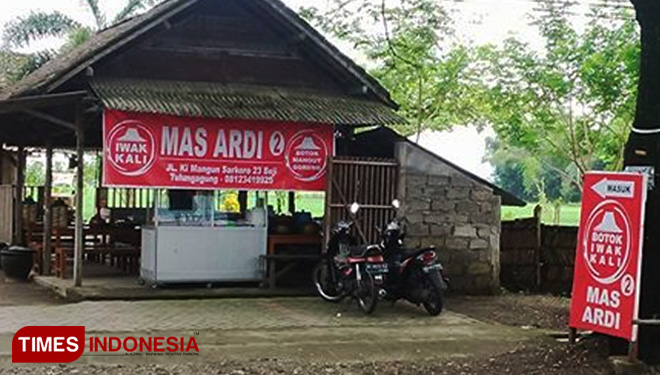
(275, 240)
(291, 261)
(271, 260)
(95, 237)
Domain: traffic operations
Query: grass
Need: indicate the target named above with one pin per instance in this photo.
(566, 214)
(311, 202)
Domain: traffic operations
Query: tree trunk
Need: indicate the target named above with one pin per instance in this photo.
(648, 99)
(643, 148)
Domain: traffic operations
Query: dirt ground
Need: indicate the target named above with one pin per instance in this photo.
(22, 293)
(531, 311)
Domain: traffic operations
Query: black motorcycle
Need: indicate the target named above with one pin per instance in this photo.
(349, 270)
(415, 275)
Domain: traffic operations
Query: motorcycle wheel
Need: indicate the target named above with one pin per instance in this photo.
(367, 293)
(328, 290)
(434, 303)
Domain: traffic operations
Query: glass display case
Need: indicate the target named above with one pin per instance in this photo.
(185, 208)
(194, 239)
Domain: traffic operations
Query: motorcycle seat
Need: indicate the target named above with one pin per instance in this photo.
(410, 253)
(363, 250)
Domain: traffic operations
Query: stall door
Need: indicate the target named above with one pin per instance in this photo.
(370, 182)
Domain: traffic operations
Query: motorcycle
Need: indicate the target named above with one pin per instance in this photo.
(349, 270)
(415, 275)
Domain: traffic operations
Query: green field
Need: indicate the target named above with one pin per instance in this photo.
(311, 202)
(566, 214)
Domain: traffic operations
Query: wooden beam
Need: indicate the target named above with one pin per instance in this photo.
(50, 118)
(79, 235)
(18, 204)
(41, 101)
(48, 214)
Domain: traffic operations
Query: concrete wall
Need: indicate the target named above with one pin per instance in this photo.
(456, 214)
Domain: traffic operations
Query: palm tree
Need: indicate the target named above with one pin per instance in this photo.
(24, 31)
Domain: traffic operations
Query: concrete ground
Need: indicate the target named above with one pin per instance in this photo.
(102, 282)
(305, 329)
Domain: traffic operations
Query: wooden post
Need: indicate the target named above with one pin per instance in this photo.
(538, 210)
(243, 201)
(292, 202)
(572, 336)
(327, 214)
(18, 204)
(79, 235)
(633, 351)
(48, 214)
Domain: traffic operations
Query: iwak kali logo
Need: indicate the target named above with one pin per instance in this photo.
(64, 344)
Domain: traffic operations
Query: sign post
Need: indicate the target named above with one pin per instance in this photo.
(608, 258)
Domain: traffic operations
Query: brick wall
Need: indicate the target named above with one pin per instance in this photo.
(456, 214)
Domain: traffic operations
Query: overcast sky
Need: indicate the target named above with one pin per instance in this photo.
(480, 21)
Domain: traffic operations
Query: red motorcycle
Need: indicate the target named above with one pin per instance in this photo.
(349, 270)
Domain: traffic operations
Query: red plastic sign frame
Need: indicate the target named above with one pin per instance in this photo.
(608, 258)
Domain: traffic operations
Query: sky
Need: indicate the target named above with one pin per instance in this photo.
(479, 21)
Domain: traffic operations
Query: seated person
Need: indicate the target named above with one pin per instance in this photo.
(102, 215)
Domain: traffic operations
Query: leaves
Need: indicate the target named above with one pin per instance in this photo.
(411, 50)
(99, 17)
(131, 8)
(37, 25)
(76, 38)
(557, 112)
(570, 107)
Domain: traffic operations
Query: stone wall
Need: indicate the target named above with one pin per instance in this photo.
(458, 215)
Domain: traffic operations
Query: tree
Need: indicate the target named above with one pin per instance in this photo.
(569, 108)
(411, 51)
(35, 174)
(24, 31)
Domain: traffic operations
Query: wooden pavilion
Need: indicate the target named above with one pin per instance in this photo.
(226, 59)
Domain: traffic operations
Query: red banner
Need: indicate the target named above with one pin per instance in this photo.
(609, 254)
(151, 150)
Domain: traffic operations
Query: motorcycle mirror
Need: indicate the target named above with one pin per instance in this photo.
(354, 208)
(396, 204)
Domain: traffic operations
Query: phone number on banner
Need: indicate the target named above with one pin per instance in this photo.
(243, 179)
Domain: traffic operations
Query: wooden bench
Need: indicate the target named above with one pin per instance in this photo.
(271, 272)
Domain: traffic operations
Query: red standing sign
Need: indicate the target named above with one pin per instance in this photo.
(608, 259)
(151, 150)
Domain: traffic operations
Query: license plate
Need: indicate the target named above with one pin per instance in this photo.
(377, 268)
(433, 267)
